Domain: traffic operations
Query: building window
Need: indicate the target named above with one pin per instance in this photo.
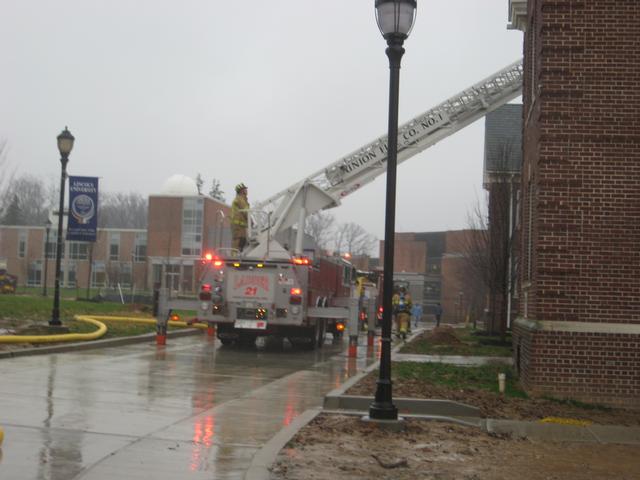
(70, 269)
(22, 243)
(98, 275)
(34, 274)
(50, 245)
(348, 274)
(140, 247)
(78, 250)
(114, 246)
(119, 273)
(192, 226)
(433, 267)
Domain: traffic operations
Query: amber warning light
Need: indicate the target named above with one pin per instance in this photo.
(301, 261)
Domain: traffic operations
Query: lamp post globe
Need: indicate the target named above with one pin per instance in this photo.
(65, 145)
(395, 20)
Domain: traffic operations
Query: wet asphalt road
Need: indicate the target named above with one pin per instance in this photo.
(190, 410)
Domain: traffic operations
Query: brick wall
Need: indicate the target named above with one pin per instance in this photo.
(164, 227)
(409, 255)
(581, 203)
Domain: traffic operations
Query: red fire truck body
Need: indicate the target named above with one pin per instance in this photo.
(246, 298)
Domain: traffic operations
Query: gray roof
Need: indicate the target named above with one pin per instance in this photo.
(503, 140)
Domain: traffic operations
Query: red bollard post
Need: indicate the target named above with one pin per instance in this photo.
(353, 346)
(161, 335)
(161, 331)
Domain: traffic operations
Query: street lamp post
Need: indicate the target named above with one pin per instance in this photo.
(65, 145)
(47, 227)
(395, 20)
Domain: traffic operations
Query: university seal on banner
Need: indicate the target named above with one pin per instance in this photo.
(83, 209)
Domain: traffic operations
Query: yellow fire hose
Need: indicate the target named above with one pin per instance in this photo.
(95, 320)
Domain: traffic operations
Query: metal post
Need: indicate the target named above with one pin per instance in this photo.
(371, 321)
(55, 313)
(354, 320)
(46, 259)
(383, 408)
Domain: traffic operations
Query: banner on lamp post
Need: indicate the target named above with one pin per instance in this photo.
(82, 222)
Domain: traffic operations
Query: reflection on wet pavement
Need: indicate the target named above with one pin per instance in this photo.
(190, 410)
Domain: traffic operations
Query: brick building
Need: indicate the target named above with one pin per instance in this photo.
(118, 257)
(579, 330)
(182, 225)
(439, 258)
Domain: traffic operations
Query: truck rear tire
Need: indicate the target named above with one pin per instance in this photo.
(313, 334)
(247, 340)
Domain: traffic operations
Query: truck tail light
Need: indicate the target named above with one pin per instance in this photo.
(217, 263)
(205, 292)
(295, 300)
(296, 296)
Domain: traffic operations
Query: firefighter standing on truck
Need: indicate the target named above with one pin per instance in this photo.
(402, 304)
(239, 217)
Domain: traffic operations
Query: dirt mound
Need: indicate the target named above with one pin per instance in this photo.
(334, 446)
(443, 335)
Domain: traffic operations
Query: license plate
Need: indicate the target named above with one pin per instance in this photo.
(254, 324)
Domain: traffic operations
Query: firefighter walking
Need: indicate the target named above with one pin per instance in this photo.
(239, 218)
(402, 304)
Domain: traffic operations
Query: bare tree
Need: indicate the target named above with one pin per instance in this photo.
(122, 210)
(199, 183)
(320, 227)
(25, 201)
(489, 255)
(352, 238)
(216, 191)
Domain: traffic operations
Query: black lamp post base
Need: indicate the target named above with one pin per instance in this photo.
(383, 411)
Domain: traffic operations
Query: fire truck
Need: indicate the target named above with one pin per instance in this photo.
(301, 298)
(295, 291)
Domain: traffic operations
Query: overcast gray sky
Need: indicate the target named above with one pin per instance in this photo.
(260, 92)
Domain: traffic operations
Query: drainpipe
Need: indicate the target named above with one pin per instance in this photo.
(509, 280)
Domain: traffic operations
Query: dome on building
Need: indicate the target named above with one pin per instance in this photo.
(179, 185)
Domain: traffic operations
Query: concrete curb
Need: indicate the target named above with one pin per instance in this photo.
(563, 433)
(406, 406)
(266, 456)
(90, 345)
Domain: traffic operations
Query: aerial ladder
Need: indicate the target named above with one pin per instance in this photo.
(268, 288)
(327, 187)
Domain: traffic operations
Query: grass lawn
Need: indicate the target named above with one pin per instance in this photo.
(482, 377)
(459, 341)
(22, 310)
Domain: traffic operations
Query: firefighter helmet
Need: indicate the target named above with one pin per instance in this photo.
(240, 186)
